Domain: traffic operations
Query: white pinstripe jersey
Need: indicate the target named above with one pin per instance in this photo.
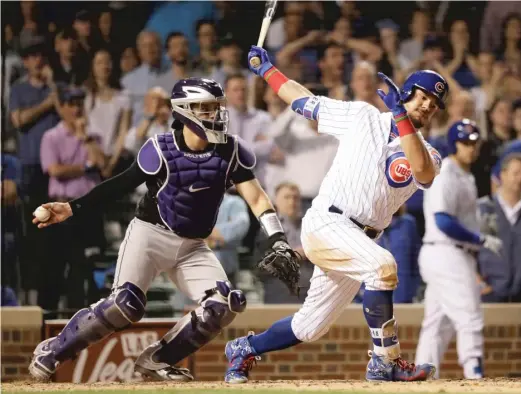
(453, 192)
(370, 177)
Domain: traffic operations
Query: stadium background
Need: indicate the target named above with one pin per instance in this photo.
(335, 49)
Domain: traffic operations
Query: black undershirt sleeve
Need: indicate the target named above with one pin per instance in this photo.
(109, 190)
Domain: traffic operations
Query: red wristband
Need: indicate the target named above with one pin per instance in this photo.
(275, 78)
(404, 125)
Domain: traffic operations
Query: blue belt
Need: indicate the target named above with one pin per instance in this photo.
(368, 230)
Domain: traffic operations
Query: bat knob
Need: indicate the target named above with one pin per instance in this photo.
(255, 61)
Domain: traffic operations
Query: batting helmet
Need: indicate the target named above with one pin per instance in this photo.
(428, 81)
(192, 91)
(463, 130)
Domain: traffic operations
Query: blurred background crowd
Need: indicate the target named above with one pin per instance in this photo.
(99, 75)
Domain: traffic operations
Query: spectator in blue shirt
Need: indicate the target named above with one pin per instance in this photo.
(231, 227)
(180, 16)
(32, 111)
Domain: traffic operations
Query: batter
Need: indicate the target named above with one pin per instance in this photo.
(448, 257)
(381, 161)
(187, 172)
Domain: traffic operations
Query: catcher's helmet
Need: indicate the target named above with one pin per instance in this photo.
(428, 81)
(463, 130)
(190, 91)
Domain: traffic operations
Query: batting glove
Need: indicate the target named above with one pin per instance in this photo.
(393, 99)
(492, 243)
(265, 63)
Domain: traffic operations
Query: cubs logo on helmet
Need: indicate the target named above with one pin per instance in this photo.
(398, 170)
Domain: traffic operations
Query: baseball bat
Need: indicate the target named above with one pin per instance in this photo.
(269, 11)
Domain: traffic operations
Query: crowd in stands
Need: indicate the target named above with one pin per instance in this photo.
(86, 83)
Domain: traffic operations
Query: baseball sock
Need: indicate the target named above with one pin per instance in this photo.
(279, 336)
(378, 311)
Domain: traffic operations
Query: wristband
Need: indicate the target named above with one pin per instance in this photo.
(270, 223)
(275, 78)
(404, 125)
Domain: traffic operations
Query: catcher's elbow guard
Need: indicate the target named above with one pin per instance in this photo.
(270, 223)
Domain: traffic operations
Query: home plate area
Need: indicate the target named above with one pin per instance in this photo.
(500, 385)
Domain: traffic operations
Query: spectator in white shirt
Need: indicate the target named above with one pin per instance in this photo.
(107, 108)
(412, 48)
(251, 125)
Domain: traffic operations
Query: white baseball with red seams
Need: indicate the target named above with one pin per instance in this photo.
(369, 180)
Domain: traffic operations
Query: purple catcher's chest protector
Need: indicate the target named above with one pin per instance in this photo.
(189, 199)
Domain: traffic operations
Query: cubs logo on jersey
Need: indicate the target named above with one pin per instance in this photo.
(398, 170)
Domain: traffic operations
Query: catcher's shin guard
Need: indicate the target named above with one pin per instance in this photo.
(217, 310)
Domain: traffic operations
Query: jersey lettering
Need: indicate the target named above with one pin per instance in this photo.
(398, 170)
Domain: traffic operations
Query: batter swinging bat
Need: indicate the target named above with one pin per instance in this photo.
(269, 11)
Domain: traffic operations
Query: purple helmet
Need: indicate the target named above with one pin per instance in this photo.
(190, 91)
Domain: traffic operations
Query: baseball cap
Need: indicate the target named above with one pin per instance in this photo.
(68, 94)
(433, 42)
(83, 16)
(33, 45)
(387, 24)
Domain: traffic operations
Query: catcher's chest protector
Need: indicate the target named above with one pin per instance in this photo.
(189, 199)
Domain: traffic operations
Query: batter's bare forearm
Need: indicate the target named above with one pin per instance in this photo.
(292, 90)
(419, 158)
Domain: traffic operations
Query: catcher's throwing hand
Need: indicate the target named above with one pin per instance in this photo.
(283, 263)
(60, 211)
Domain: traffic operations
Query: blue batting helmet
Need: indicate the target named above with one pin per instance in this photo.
(463, 130)
(428, 81)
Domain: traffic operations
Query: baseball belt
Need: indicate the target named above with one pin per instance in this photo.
(368, 230)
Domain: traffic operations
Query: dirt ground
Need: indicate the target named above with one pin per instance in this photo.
(439, 386)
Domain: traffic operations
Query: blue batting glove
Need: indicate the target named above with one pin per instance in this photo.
(393, 99)
(265, 63)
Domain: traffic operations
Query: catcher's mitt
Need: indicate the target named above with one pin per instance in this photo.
(283, 263)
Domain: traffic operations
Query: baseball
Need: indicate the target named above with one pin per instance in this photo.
(42, 214)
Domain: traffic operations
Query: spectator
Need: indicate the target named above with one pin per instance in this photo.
(129, 61)
(31, 26)
(86, 44)
(331, 66)
(402, 239)
(283, 30)
(392, 62)
(108, 38)
(287, 204)
(73, 158)
(32, 112)
(229, 55)
(412, 48)
(230, 228)
(11, 177)
(250, 124)
(141, 79)
(516, 118)
(179, 55)
(364, 85)
(14, 70)
(307, 154)
(185, 14)
(499, 134)
(460, 106)
(462, 62)
(66, 65)
(489, 76)
(155, 120)
(494, 16)
(207, 58)
(500, 216)
(510, 49)
(108, 110)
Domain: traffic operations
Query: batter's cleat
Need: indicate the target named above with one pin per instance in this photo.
(241, 357)
(43, 364)
(166, 374)
(398, 370)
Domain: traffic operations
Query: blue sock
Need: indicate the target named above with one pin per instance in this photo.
(279, 336)
(378, 309)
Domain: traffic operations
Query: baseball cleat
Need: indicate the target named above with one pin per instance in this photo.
(398, 370)
(165, 374)
(43, 364)
(241, 357)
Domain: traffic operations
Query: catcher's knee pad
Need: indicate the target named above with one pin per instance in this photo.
(217, 309)
(124, 306)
